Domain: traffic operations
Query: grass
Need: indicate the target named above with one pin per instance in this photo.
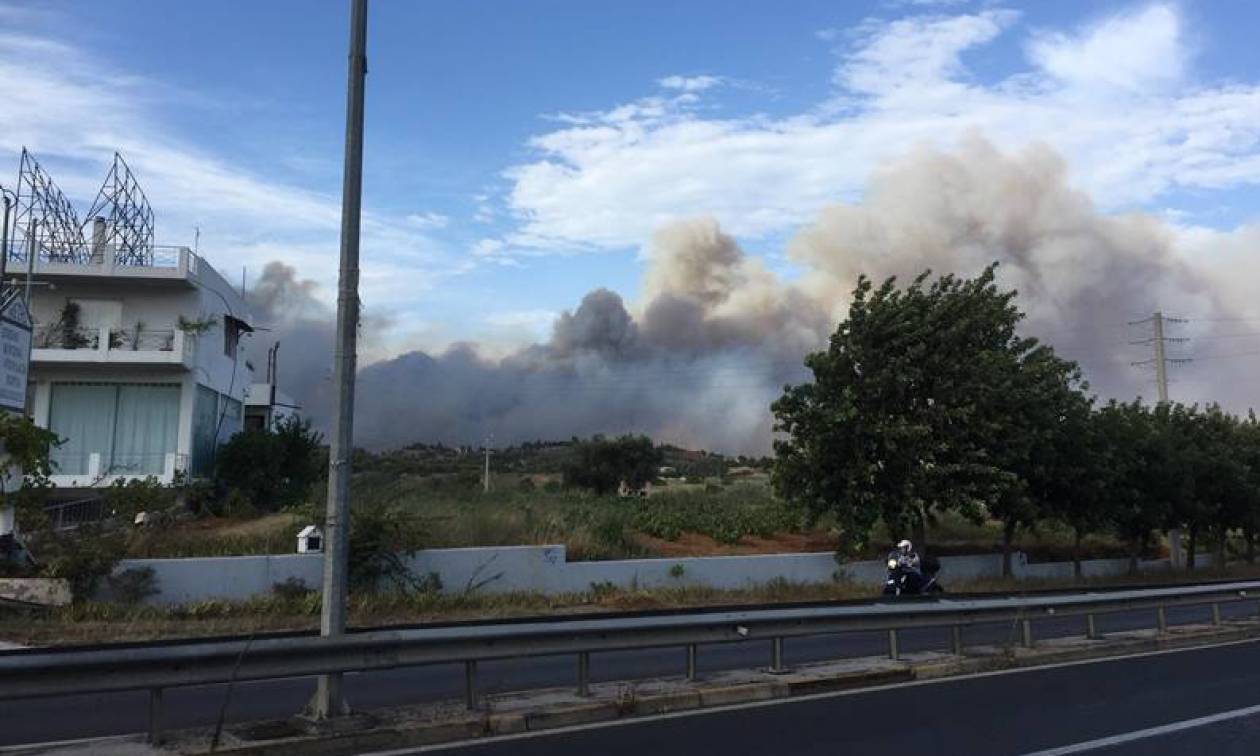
(100, 622)
(695, 519)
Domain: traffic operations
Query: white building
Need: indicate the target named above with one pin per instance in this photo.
(137, 363)
(266, 405)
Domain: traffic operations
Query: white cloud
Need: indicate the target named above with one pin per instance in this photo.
(690, 83)
(1136, 51)
(74, 111)
(428, 220)
(606, 180)
(914, 52)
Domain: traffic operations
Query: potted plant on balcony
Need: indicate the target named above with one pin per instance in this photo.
(71, 336)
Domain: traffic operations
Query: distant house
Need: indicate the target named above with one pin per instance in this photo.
(741, 472)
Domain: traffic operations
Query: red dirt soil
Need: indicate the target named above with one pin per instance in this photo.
(694, 544)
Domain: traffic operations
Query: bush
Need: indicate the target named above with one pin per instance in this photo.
(274, 468)
(292, 589)
(132, 586)
(381, 535)
(83, 557)
(124, 499)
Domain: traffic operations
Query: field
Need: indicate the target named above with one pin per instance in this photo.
(731, 516)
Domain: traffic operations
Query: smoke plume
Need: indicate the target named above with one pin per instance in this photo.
(715, 334)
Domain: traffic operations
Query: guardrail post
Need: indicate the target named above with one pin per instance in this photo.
(584, 673)
(955, 637)
(1025, 631)
(155, 716)
(470, 685)
(1216, 614)
(892, 644)
(776, 656)
(691, 662)
(1161, 620)
(1091, 628)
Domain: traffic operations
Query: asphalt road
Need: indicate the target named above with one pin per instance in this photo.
(73, 717)
(1105, 708)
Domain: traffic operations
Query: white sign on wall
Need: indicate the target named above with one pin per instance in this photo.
(15, 353)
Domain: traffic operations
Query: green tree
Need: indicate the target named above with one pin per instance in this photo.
(900, 419)
(1137, 455)
(1075, 482)
(1035, 408)
(272, 467)
(602, 464)
(1248, 439)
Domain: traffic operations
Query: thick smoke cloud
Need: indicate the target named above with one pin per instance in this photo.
(697, 359)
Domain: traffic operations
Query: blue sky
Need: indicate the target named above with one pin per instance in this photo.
(520, 154)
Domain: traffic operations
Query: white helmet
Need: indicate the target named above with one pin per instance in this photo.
(904, 546)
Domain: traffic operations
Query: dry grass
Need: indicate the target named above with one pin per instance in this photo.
(96, 623)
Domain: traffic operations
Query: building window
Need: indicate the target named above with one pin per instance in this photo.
(129, 428)
(231, 335)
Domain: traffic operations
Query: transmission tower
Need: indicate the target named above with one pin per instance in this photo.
(128, 219)
(1159, 342)
(44, 212)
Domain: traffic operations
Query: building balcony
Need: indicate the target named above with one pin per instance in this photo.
(58, 345)
(154, 264)
(90, 471)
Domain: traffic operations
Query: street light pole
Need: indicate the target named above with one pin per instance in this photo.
(329, 700)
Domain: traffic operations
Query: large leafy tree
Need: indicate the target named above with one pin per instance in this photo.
(921, 403)
(1141, 469)
(602, 464)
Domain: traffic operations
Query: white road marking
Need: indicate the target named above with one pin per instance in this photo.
(1150, 732)
(699, 712)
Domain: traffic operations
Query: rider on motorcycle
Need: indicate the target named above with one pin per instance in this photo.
(906, 557)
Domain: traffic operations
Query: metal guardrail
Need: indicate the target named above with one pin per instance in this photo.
(155, 667)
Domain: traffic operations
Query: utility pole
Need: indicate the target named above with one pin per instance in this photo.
(1160, 359)
(485, 479)
(329, 700)
(4, 236)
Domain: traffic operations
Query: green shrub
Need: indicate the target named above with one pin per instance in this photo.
(132, 586)
(275, 467)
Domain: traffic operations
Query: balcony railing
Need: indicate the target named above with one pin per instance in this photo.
(98, 255)
(133, 339)
(94, 469)
(57, 336)
(142, 339)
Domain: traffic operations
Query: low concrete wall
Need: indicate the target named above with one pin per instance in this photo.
(545, 569)
(182, 581)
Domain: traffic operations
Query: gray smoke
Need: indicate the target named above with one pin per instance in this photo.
(715, 335)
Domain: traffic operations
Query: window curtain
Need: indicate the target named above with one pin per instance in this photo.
(82, 415)
(148, 422)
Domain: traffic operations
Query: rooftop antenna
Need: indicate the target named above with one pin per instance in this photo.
(197, 240)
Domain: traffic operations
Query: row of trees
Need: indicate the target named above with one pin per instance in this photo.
(927, 399)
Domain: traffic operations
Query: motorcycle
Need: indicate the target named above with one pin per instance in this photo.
(903, 580)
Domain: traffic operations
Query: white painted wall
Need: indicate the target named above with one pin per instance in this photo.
(200, 294)
(544, 569)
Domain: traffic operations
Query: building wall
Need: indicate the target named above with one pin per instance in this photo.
(159, 305)
(544, 569)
